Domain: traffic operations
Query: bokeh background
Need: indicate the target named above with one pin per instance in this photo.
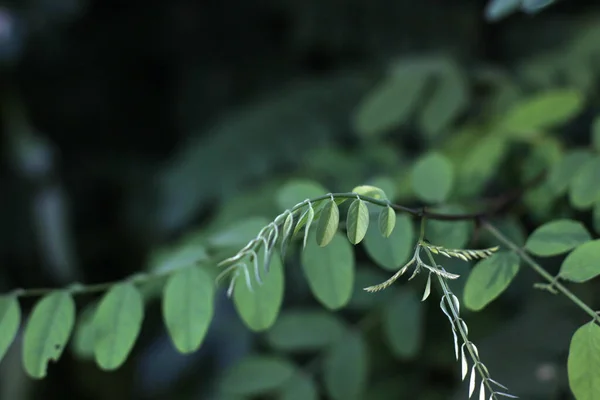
(126, 125)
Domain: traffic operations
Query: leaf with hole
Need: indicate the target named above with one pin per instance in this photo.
(330, 271)
(432, 178)
(583, 363)
(392, 252)
(10, 319)
(328, 223)
(305, 330)
(47, 332)
(258, 308)
(357, 221)
(387, 221)
(345, 368)
(403, 323)
(117, 323)
(489, 278)
(583, 263)
(187, 307)
(556, 237)
(255, 375)
(584, 190)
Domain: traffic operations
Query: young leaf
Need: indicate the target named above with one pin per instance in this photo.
(255, 375)
(562, 173)
(296, 191)
(357, 221)
(188, 307)
(286, 235)
(330, 271)
(370, 191)
(583, 363)
(392, 252)
(117, 323)
(582, 263)
(403, 323)
(557, 237)
(328, 223)
(300, 387)
(305, 330)
(345, 368)
(259, 308)
(10, 319)
(432, 177)
(489, 278)
(47, 332)
(584, 190)
(387, 221)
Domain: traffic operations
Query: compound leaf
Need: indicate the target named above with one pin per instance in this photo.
(583, 363)
(47, 332)
(357, 221)
(557, 237)
(432, 177)
(10, 319)
(582, 263)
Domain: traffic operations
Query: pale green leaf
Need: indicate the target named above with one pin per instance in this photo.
(370, 191)
(583, 364)
(583, 263)
(254, 375)
(403, 323)
(300, 387)
(84, 335)
(10, 319)
(585, 190)
(387, 185)
(47, 332)
(357, 221)
(330, 271)
(298, 190)
(450, 234)
(258, 308)
(562, 173)
(117, 323)
(328, 223)
(542, 111)
(489, 278)
(392, 252)
(302, 330)
(345, 368)
(387, 221)
(432, 177)
(187, 307)
(596, 134)
(557, 237)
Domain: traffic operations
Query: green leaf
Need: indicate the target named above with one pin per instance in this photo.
(391, 253)
(305, 330)
(489, 278)
(450, 234)
(258, 308)
(239, 233)
(345, 368)
(403, 323)
(47, 332)
(387, 221)
(557, 237)
(117, 323)
(328, 223)
(596, 134)
(582, 263)
(480, 164)
(187, 307)
(254, 375)
(10, 320)
(585, 190)
(583, 363)
(330, 271)
(370, 191)
(596, 217)
(562, 173)
(357, 221)
(432, 177)
(543, 111)
(84, 335)
(299, 387)
(298, 190)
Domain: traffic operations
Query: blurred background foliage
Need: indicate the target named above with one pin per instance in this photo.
(136, 130)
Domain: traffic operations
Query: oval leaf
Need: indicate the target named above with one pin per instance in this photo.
(328, 223)
(345, 368)
(370, 191)
(387, 221)
(47, 332)
(489, 278)
(432, 177)
(188, 307)
(82, 344)
(254, 375)
(583, 363)
(258, 308)
(10, 319)
(403, 323)
(117, 323)
(557, 237)
(584, 190)
(357, 221)
(330, 272)
(391, 253)
(582, 263)
(305, 330)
